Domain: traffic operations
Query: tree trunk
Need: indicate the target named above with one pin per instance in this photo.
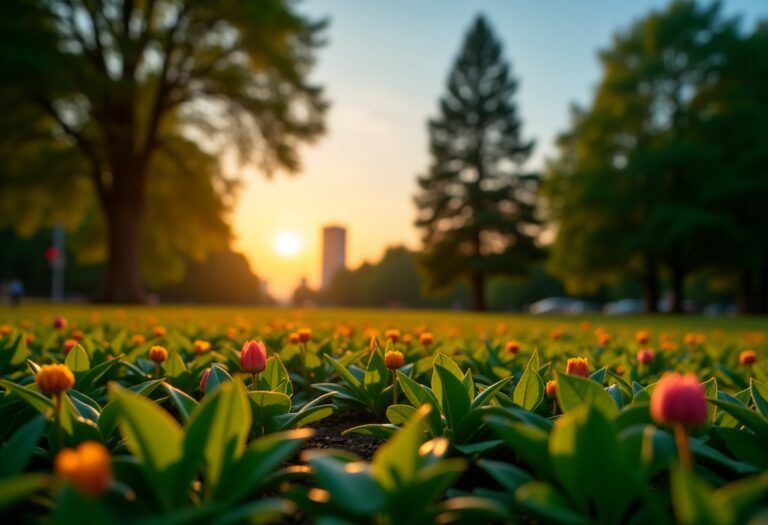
(762, 290)
(122, 278)
(651, 285)
(477, 284)
(744, 292)
(678, 282)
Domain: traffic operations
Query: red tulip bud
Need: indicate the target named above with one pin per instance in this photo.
(253, 358)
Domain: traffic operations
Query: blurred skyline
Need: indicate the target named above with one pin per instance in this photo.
(384, 68)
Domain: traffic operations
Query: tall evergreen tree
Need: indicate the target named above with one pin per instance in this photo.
(476, 208)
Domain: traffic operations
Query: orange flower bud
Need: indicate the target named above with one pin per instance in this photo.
(748, 357)
(603, 338)
(426, 338)
(54, 379)
(394, 360)
(158, 354)
(512, 347)
(60, 322)
(30, 338)
(645, 356)
(577, 366)
(78, 335)
(620, 370)
(253, 357)
(201, 346)
(551, 388)
(407, 339)
(5, 329)
(392, 335)
(293, 338)
(159, 331)
(88, 468)
(642, 337)
(69, 344)
(305, 334)
(138, 339)
(679, 398)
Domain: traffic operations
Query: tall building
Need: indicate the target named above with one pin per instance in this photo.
(334, 252)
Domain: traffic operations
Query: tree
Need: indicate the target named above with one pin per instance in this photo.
(476, 208)
(135, 87)
(632, 189)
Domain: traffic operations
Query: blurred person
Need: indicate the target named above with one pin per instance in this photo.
(15, 291)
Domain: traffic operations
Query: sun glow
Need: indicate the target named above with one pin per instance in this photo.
(287, 244)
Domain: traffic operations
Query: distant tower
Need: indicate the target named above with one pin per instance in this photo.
(334, 252)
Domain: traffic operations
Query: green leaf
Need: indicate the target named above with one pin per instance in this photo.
(174, 366)
(352, 486)
(261, 458)
(744, 445)
(184, 403)
(216, 377)
(583, 440)
(487, 395)
(77, 359)
(693, 501)
(752, 420)
(419, 395)
(545, 501)
(94, 374)
(153, 437)
(529, 392)
(529, 442)
(574, 391)
(383, 431)
(399, 414)
(505, 474)
(15, 489)
(347, 376)
(396, 461)
(265, 406)
(217, 432)
(759, 393)
(450, 365)
(18, 450)
(744, 497)
(32, 397)
(377, 376)
(452, 396)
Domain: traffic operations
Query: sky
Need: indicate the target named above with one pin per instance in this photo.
(384, 69)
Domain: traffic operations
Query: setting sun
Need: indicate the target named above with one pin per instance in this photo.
(287, 244)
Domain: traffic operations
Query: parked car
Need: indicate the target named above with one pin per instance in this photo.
(561, 305)
(625, 307)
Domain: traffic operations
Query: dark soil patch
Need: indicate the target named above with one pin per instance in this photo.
(328, 436)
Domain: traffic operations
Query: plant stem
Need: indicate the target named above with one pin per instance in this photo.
(394, 387)
(57, 419)
(681, 439)
(304, 365)
(157, 370)
(254, 380)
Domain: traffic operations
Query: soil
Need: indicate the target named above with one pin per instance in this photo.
(328, 436)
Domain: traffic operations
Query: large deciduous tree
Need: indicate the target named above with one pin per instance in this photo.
(127, 91)
(476, 207)
(637, 185)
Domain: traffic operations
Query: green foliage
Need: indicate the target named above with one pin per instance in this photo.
(476, 210)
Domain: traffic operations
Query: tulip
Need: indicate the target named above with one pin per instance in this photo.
(407, 339)
(78, 335)
(54, 380)
(392, 335)
(60, 322)
(748, 357)
(88, 468)
(512, 347)
(642, 337)
(253, 359)
(69, 344)
(394, 360)
(551, 391)
(5, 330)
(159, 332)
(204, 380)
(293, 338)
(305, 334)
(426, 339)
(577, 366)
(158, 355)
(645, 356)
(138, 339)
(201, 346)
(679, 400)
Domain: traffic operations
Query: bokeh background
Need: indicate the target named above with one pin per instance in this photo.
(193, 151)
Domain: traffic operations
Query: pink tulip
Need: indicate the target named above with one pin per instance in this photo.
(204, 380)
(253, 358)
(645, 356)
(679, 399)
(60, 322)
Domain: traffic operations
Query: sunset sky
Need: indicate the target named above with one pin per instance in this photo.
(384, 68)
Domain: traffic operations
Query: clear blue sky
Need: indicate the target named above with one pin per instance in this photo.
(384, 69)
